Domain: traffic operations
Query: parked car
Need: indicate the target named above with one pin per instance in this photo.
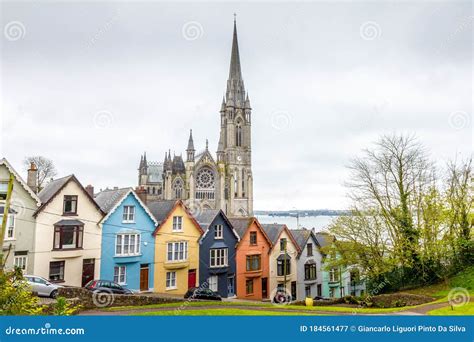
(106, 286)
(200, 293)
(41, 286)
(321, 298)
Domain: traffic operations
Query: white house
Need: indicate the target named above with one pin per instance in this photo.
(67, 241)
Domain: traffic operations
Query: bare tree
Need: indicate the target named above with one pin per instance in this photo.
(45, 166)
(391, 180)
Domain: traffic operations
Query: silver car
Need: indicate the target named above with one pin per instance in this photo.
(42, 286)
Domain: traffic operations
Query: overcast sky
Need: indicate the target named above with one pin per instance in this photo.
(92, 86)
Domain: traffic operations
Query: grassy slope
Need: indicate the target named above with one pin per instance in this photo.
(467, 309)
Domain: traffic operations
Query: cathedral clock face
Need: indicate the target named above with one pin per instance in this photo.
(205, 179)
(239, 158)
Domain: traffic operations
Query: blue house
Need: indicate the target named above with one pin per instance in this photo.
(217, 269)
(128, 247)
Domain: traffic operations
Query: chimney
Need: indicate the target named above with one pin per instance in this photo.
(90, 190)
(32, 179)
(141, 193)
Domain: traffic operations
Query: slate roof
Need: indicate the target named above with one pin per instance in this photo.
(160, 209)
(108, 198)
(324, 239)
(52, 188)
(273, 231)
(301, 236)
(69, 223)
(205, 218)
(241, 224)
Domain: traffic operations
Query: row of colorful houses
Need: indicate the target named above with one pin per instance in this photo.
(71, 235)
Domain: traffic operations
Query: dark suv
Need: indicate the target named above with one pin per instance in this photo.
(106, 286)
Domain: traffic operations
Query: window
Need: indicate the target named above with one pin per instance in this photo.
(243, 183)
(66, 237)
(249, 286)
(238, 135)
(333, 275)
(282, 244)
(178, 188)
(170, 280)
(120, 274)
(253, 262)
(177, 251)
(20, 261)
(70, 205)
(283, 267)
(10, 231)
(309, 271)
(127, 244)
(309, 249)
(219, 231)
(212, 280)
(177, 223)
(307, 291)
(56, 270)
(218, 257)
(3, 191)
(128, 213)
(236, 182)
(253, 238)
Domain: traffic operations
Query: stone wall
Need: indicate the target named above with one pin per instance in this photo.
(90, 300)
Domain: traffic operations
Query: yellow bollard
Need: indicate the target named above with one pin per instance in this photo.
(308, 301)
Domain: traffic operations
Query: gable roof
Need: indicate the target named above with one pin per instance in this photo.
(241, 224)
(162, 210)
(274, 231)
(302, 236)
(54, 187)
(111, 199)
(207, 216)
(324, 239)
(20, 180)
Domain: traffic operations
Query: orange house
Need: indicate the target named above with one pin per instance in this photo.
(252, 256)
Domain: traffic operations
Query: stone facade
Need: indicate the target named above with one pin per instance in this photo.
(204, 182)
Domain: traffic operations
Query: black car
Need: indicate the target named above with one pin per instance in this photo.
(106, 286)
(200, 293)
(321, 298)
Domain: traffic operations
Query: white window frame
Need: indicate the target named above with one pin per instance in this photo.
(128, 214)
(177, 223)
(21, 261)
(10, 218)
(218, 257)
(178, 250)
(120, 244)
(219, 231)
(122, 272)
(333, 275)
(3, 190)
(213, 283)
(171, 280)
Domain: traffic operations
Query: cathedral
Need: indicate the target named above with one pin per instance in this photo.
(206, 181)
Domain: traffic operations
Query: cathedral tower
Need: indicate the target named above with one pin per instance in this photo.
(234, 150)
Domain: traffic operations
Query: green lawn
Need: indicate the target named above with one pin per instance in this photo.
(184, 305)
(222, 312)
(467, 309)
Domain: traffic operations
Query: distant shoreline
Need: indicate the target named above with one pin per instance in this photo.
(302, 213)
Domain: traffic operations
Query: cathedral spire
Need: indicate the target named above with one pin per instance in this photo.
(190, 150)
(234, 72)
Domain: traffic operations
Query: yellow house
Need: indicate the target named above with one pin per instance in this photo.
(176, 247)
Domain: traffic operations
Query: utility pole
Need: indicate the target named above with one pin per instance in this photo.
(6, 209)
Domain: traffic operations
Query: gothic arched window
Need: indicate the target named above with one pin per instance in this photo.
(238, 134)
(178, 188)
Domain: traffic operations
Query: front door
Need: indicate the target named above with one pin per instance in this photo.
(320, 290)
(191, 278)
(231, 286)
(293, 290)
(144, 274)
(88, 266)
(264, 288)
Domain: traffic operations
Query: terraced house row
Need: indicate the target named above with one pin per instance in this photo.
(69, 234)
